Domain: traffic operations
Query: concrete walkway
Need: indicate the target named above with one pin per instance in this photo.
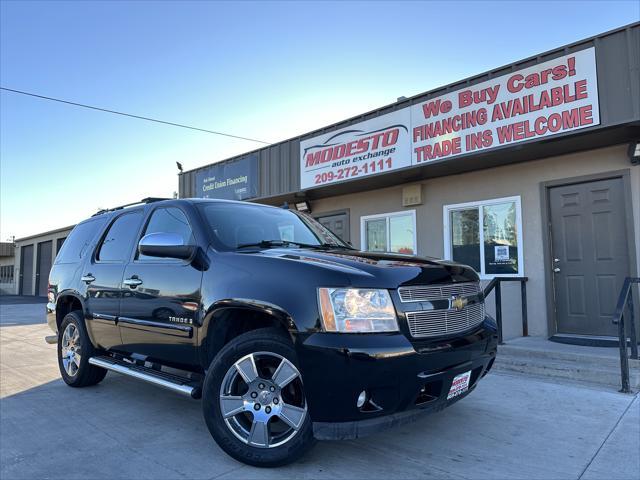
(510, 427)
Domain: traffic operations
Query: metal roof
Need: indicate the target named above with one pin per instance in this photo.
(44, 234)
(7, 249)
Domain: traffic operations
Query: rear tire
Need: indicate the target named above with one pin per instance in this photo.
(74, 351)
(255, 380)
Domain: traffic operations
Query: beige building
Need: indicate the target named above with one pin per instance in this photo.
(528, 171)
(33, 260)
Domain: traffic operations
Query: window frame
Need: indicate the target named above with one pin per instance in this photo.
(98, 245)
(388, 216)
(88, 247)
(480, 204)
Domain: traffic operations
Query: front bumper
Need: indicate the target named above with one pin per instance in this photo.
(403, 378)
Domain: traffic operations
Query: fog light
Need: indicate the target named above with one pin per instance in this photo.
(361, 399)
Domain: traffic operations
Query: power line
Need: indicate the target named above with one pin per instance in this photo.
(139, 117)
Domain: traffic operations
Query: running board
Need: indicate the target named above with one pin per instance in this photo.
(166, 380)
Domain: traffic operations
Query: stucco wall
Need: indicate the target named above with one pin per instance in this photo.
(522, 179)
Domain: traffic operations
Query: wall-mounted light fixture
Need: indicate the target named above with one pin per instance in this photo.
(303, 206)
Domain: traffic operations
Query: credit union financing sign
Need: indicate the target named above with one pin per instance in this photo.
(547, 99)
(236, 180)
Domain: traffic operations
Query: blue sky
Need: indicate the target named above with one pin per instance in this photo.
(265, 70)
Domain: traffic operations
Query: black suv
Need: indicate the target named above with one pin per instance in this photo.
(285, 331)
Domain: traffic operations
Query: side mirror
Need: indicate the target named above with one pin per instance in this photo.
(167, 245)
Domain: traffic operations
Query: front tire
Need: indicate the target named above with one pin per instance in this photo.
(74, 351)
(253, 400)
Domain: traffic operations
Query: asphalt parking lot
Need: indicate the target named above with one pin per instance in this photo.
(510, 427)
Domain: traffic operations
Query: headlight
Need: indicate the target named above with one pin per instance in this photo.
(357, 310)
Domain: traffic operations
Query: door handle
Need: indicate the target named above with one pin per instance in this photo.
(133, 282)
(556, 270)
(88, 278)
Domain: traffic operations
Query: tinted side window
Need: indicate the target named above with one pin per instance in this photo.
(168, 220)
(78, 241)
(117, 243)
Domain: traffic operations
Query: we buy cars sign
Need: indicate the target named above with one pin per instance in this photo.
(547, 99)
(550, 98)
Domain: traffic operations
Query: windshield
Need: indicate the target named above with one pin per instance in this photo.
(237, 225)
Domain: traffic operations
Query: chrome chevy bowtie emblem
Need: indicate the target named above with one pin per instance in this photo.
(458, 303)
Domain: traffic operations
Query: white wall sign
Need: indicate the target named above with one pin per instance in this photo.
(547, 99)
(373, 146)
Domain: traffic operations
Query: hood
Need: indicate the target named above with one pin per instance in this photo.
(375, 270)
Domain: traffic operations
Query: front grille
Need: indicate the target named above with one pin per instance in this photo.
(437, 292)
(436, 323)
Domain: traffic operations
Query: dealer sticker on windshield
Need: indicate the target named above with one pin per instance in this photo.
(459, 385)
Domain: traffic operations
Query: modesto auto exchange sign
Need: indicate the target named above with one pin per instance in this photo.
(547, 99)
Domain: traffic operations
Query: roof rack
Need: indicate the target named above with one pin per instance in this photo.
(143, 201)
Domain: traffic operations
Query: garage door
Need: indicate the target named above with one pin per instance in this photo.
(26, 270)
(45, 252)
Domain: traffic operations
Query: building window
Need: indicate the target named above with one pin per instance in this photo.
(389, 232)
(486, 235)
(6, 274)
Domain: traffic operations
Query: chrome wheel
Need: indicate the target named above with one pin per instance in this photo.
(262, 400)
(70, 350)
